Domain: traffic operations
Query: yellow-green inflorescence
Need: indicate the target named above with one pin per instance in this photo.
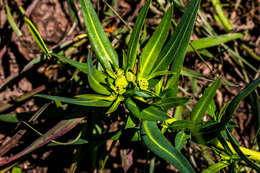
(123, 79)
(121, 82)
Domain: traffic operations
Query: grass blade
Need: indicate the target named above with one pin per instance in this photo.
(153, 47)
(36, 35)
(155, 141)
(135, 36)
(221, 15)
(234, 103)
(82, 102)
(98, 39)
(201, 107)
(213, 41)
(73, 11)
(79, 65)
(239, 152)
(12, 21)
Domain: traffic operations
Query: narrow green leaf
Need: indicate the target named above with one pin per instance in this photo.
(74, 12)
(160, 73)
(181, 140)
(175, 49)
(216, 167)
(82, 102)
(96, 97)
(11, 21)
(155, 141)
(201, 107)
(151, 113)
(58, 130)
(182, 125)
(213, 41)
(36, 35)
(153, 47)
(234, 103)
(135, 36)
(239, 152)
(169, 102)
(98, 39)
(79, 65)
(95, 78)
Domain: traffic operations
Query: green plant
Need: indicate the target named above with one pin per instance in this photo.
(146, 83)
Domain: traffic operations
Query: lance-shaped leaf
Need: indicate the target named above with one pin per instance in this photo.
(155, 141)
(201, 107)
(95, 78)
(58, 130)
(151, 113)
(36, 35)
(153, 47)
(79, 65)
(135, 36)
(82, 102)
(175, 49)
(97, 37)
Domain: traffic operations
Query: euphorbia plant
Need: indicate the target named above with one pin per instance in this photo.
(146, 83)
